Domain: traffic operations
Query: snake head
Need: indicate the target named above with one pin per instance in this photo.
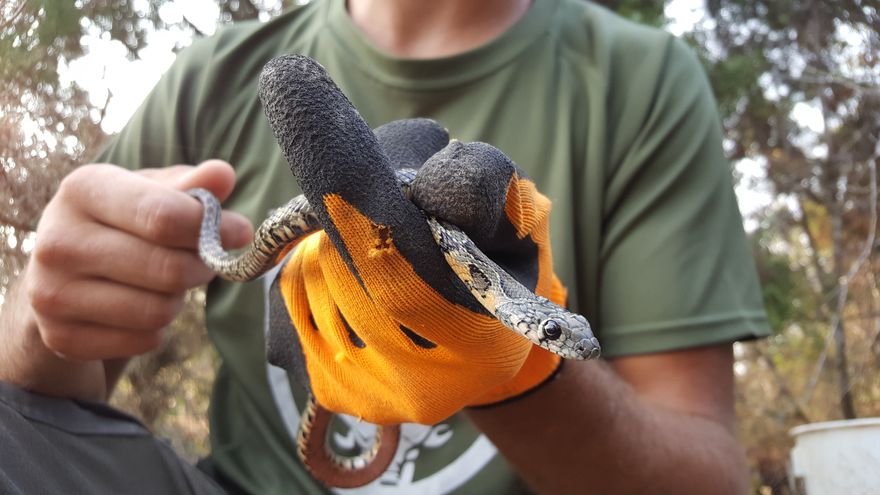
(567, 334)
(551, 327)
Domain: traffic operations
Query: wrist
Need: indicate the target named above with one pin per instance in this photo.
(26, 362)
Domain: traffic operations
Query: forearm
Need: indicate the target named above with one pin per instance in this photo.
(589, 432)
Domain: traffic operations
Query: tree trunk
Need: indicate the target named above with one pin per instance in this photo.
(843, 380)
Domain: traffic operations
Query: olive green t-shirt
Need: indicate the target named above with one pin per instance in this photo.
(614, 121)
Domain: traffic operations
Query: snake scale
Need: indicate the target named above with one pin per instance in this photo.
(535, 318)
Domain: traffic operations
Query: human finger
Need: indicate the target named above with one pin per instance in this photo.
(109, 304)
(214, 175)
(88, 341)
(101, 252)
(141, 206)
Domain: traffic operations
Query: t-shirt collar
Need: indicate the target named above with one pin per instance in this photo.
(438, 73)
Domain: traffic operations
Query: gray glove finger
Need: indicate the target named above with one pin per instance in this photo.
(467, 186)
(408, 143)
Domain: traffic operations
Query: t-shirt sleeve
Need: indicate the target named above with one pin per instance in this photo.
(163, 131)
(676, 268)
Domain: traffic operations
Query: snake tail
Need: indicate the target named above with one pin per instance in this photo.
(284, 227)
(333, 469)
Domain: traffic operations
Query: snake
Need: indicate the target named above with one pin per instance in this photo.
(536, 318)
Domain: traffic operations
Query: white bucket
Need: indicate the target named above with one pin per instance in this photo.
(837, 457)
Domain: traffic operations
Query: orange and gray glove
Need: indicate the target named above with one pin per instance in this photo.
(374, 320)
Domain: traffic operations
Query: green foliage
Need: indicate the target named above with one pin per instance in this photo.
(779, 284)
(38, 35)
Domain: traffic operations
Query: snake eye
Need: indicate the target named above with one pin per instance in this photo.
(552, 330)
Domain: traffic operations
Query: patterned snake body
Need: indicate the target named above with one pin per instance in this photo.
(536, 318)
(272, 240)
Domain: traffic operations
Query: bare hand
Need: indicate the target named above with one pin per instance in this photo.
(115, 253)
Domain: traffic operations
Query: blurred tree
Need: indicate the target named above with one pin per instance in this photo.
(798, 84)
(49, 125)
(45, 127)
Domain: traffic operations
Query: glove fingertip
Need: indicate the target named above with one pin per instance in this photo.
(466, 185)
(328, 146)
(408, 143)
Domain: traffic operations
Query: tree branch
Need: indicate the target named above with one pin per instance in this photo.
(844, 282)
(9, 21)
(826, 79)
(799, 411)
(195, 28)
(868, 248)
(821, 274)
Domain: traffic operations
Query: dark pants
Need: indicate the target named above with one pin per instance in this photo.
(61, 446)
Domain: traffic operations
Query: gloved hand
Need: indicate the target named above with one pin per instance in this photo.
(376, 321)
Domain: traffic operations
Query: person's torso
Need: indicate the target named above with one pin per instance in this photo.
(535, 93)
